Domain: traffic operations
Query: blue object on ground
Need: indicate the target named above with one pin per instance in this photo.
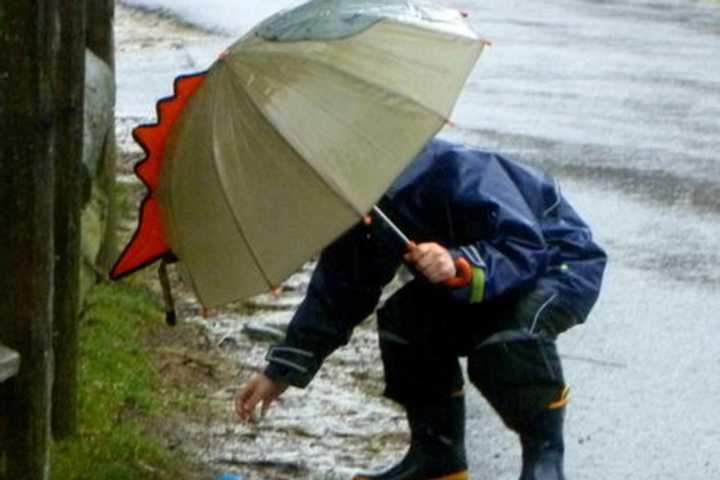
(229, 476)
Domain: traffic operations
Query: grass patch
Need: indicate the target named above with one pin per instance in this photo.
(137, 379)
(120, 393)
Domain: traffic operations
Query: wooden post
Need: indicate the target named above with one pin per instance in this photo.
(29, 46)
(69, 92)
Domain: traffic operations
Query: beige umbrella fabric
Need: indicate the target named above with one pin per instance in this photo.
(298, 130)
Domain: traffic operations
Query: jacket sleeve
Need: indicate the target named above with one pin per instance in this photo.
(506, 250)
(344, 290)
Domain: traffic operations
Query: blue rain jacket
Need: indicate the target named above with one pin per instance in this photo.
(508, 220)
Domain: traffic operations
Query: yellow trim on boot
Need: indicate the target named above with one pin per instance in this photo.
(461, 475)
(562, 401)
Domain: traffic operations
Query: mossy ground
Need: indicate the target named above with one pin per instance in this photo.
(129, 394)
(118, 393)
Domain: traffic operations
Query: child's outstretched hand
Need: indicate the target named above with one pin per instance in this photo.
(258, 389)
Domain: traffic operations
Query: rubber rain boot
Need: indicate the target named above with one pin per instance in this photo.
(437, 444)
(543, 446)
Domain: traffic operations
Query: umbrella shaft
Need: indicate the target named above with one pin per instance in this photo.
(392, 226)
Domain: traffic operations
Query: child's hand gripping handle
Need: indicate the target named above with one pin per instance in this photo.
(463, 270)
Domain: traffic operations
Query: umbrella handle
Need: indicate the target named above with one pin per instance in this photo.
(463, 275)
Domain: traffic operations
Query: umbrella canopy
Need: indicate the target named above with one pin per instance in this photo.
(292, 135)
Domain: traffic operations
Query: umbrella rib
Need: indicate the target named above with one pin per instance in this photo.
(236, 221)
(172, 219)
(335, 188)
(345, 73)
(364, 136)
(332, 185)
(359, 133)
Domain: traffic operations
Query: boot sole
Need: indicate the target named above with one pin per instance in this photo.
(462, 475)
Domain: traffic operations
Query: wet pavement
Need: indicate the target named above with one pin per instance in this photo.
(645, 369)
(621, 100)
(606, 83)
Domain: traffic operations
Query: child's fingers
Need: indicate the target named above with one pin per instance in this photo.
(259, 389)
(428, 261)
(246, 400)
(265, 406)
(252, 402)
(244, 393)
(240, 398)
(418, 254)
(433, 261)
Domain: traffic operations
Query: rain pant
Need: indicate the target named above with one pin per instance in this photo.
(536, 273)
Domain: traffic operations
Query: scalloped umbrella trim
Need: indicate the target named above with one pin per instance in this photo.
(148, 244)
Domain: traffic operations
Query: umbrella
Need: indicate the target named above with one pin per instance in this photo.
(291, 137)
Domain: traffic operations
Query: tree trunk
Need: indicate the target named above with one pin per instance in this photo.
(29, 45)
(101, 40)
(69, 93)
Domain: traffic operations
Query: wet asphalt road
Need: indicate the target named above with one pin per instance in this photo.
(621, 100)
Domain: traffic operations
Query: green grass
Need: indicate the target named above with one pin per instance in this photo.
(119, 393)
